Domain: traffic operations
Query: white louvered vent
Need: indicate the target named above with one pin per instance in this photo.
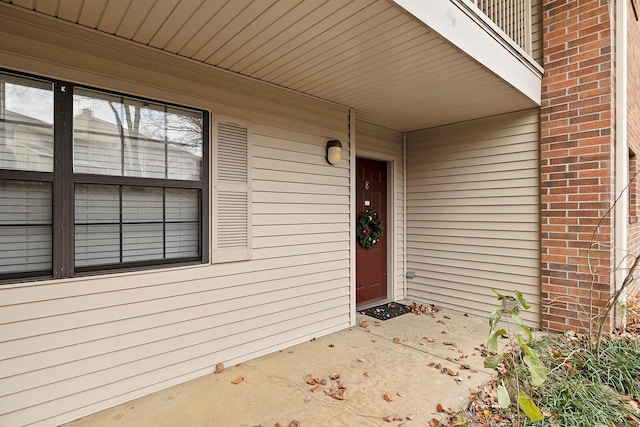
(232, 220)
(232, 153)
(232, 227)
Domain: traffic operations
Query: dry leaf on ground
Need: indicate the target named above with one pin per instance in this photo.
(396, 340)
(219, 368)
(294, 423)
(339, 394)
(387, 397)
(392, 417)
(364, 324)
(317, 389)
(237, 380)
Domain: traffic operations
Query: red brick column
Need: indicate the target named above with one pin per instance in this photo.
(577, 160)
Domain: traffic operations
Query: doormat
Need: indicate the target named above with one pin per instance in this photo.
(387, 311)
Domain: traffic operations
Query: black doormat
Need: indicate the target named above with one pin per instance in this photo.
(387, 311)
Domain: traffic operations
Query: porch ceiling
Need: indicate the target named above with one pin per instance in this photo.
(367, 54)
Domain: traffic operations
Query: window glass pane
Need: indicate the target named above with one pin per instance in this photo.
(185, 136)
(25, 227)
(97, 225)
(182, 240)
(142, 204)
(182, 229)
(123, 224)
(142, 242)
(26, 124)
(127, 137)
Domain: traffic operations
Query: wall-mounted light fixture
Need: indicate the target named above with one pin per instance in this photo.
(334, 151)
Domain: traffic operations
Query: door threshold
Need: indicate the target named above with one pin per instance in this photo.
(374, 303)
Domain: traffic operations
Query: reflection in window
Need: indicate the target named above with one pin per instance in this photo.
(120, 136)
(26, 124)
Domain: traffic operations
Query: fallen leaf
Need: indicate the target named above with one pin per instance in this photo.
(410, 416)
(392, 417)
(430, 339)
(366, 374)
(396, 340)
(277, 425)
(451, 343)
(388, 397)
(434, 422)
(402, 393)
(294, 423)
(439, 408)
(446, 316)
(341, 385)
(237, 380)
(219, 368)
(334, 376)
(331, 346)
(340, 394)
(362, 360)
(364, 324)
(316, 389)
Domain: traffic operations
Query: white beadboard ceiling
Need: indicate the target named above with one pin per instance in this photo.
(367, 54)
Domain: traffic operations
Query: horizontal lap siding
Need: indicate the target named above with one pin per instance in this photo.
(385, 144)
(72, 347)
(473, 213)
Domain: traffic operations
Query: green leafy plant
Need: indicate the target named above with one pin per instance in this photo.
(537, 372)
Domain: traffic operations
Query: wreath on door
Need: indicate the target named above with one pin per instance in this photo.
(369, 229)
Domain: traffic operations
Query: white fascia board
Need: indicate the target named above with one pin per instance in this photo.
(451, 22)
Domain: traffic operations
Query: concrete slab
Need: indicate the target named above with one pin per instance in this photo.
(391, 358)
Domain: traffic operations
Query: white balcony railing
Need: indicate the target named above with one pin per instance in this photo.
(512, 16)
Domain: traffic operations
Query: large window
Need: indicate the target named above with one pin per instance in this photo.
(91, 181)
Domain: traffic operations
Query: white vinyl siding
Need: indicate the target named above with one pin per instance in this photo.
(386, 145)
(473, 213)
(71, 347)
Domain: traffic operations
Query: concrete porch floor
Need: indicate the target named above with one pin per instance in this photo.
(392, 358)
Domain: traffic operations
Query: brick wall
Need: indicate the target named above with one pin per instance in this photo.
(633, 133)
(577, 160)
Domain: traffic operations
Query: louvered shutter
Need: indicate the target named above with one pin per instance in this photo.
(232, 237)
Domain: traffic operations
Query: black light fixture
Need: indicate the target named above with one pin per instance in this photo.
(334, 151)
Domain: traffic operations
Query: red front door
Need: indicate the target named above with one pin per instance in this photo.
(371, 263)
